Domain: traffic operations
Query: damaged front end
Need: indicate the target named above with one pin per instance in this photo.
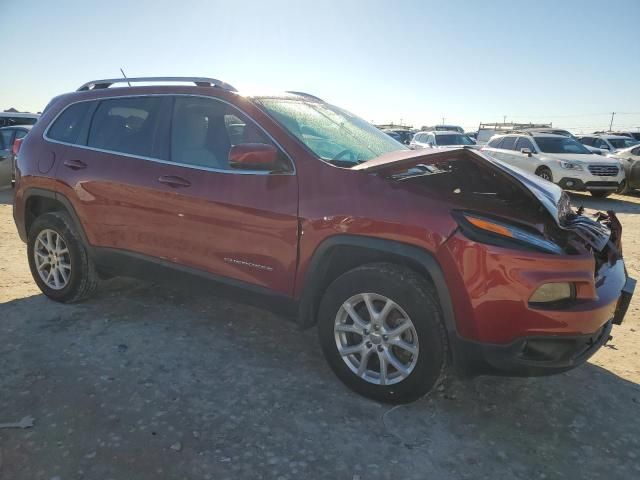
(496, 204)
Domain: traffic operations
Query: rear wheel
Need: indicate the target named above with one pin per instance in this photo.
(58, 259)
(544, 172)
(600, 194)
(382, 333)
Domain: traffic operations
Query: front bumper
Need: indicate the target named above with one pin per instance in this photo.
(499, 331)
(530, 356)
(603, 184)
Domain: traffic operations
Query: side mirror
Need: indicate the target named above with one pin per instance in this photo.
(430, 144)
(526, 151)
(254, 156)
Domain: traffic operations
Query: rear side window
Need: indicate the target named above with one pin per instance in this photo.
(586, 141)
(131, 125)
(508, 143)
(67, 127)
(5, 139)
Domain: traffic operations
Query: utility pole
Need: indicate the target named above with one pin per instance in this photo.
(504, 119)
(443, 120)
(611, 124)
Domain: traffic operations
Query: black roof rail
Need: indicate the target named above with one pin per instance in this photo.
(199, 81)
(305, 95)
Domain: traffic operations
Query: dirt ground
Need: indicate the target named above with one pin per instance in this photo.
(145, 383)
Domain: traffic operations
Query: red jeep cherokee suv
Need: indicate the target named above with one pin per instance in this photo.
(407, 260)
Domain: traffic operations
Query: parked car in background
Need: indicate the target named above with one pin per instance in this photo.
(607, 142)
(10, 119)
(404, 259)
(488, 130)
(438, 139)
(630, 160)
(10, 138)
(634, 135)
(558, 159)
(400, 134)
(443, 128)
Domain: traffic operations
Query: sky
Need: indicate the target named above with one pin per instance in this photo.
(567, 62)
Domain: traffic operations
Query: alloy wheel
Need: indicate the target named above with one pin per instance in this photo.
(52, 259)
(376, 339)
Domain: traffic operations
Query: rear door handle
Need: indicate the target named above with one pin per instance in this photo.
(174, 181)
(75, 164)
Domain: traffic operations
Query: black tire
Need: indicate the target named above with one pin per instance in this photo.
(600, 194)
(545, 173)
(417, 298)
(82, 278)
(624, 188)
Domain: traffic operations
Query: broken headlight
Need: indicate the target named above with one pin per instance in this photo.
(504, 234)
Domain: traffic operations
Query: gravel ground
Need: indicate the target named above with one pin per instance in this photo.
(146, 383)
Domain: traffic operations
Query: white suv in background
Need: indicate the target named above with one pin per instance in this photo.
(558, 159)
(607, 142)
(438, 139)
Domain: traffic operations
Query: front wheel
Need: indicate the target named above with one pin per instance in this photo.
(545, 173)
(600, 194)
(58, 259)
(381, 331)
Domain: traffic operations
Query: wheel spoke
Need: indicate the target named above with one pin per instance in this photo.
(384, 313)
(64, 275)
(383, 368)
(354, 316)
(350, 350)
(344, 327)
(49, 241)
(399, 329)
(373, 315)
(65, 266)
(396, 363)
(398, 342)
(57, 243)
(63, 251)
(56, 280)
(364, 361)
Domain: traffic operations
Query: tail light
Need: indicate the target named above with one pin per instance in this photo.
(16, 146)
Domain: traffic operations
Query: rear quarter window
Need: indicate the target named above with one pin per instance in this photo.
(67, 127)
(495, 143)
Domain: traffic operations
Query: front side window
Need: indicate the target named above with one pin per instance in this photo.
(69, 124)
(599, 143)
(524, 143)
(331, 133)
(135, 125)
(203, 130)
(561, 145)
(453, 139)
(508, 143)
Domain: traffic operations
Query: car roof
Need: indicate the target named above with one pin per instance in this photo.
(446, 132)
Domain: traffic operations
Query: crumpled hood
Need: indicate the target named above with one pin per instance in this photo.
(551, 197)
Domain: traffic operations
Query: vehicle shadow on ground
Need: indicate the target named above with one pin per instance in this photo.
(618, 203)
(166, 363)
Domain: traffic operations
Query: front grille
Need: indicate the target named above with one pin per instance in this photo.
(603, 170)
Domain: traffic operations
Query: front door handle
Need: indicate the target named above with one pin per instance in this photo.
(174, 181)
(75, 164)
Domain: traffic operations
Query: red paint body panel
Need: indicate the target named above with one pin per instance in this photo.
(279, 221)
